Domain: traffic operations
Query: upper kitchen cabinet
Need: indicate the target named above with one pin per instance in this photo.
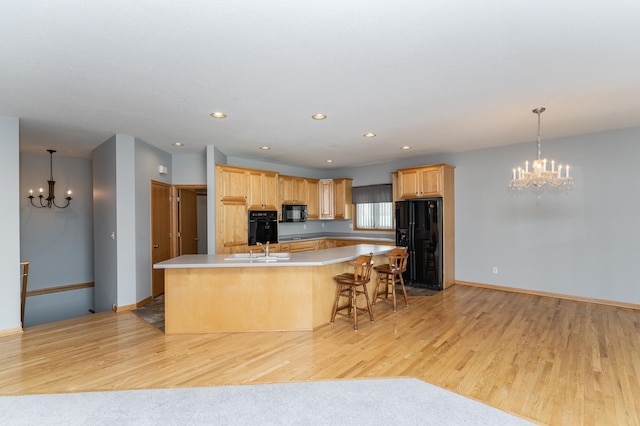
(292, 190)
(263, 190)
(231, 183)
(326, 198)
(342, 198)
(422, 182)
(313, 199)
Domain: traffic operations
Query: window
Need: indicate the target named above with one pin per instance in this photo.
(374, 215)
(373, 207)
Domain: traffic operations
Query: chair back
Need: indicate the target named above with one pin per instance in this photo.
(362, 268)
(398, 259)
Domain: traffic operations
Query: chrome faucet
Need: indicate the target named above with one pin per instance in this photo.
(265, 248)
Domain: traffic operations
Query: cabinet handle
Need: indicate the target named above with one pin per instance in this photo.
(156, 245)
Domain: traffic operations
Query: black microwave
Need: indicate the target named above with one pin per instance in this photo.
(294, 213)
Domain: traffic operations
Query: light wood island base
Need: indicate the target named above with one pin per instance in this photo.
(251, 298)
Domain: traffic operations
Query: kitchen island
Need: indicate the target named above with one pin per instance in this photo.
(223, 293)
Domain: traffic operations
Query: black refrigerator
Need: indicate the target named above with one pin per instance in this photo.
(419, 227)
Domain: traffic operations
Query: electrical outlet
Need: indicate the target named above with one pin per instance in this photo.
(323, 226)
(495, 269)
(304, 226)
(351, 226)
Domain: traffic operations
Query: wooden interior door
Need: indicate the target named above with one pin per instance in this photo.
(160, 232)
(188, 221)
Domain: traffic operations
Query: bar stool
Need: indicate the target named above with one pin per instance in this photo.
(391, 274)
(351, 285)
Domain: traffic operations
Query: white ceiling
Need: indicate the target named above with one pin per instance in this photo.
(438, 75)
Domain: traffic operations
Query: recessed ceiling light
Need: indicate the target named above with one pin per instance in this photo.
(218, 115)
(328, 161)
(369, 135)
(406, 147)
(178, 144)
(265, 148)
(318, 116)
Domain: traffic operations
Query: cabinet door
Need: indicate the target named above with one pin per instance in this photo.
(313, 199)
(342, 198)
(326, 199)
(270, 191)
(263, 190)
(285, 189)
(231, 184)
(409, 183)
(254, 198)
(231, 232)
(299, 190)
(430, 182)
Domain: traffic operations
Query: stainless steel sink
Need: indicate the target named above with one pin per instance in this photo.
(259, 257)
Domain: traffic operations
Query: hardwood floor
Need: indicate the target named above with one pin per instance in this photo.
(549, 360)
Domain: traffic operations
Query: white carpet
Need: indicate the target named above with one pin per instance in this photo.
(372, 402)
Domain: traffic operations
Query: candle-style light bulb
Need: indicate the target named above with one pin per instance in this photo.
(69, 193)
(31, 192)
(41, 190)
(567, 171)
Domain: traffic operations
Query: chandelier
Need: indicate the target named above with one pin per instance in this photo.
(540, 174)
(50, 200)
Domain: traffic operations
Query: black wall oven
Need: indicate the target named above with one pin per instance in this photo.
(263, 227)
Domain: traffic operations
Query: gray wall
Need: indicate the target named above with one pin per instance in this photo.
(189, 169)
(105, 225)
(147, 160)
(10, 226)
(58, 243)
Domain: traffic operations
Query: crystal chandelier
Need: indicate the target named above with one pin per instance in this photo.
(540, 174)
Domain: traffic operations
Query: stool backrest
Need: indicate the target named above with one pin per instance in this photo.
(362, 268)
(398, 259)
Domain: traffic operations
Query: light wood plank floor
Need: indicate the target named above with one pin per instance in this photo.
(548, 360)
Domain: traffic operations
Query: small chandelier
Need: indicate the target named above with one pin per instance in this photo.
(542, 174)
(50, 200)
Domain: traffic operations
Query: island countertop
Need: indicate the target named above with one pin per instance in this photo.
(307, 258)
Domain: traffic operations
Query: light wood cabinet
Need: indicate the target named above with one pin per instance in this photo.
(231, 227)
(231, 183)
(298, 246)
(292, 190)
(421, 182)
(238, 190)
(336, 242)
(313, 199)
(326, 198)
(263, 190)
(342, 198)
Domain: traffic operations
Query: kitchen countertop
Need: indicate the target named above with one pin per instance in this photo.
(308, 258)
(337, 235)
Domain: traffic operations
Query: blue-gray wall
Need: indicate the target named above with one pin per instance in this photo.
(147, 160)
(105, 225)
(10, 226)
(58, 243)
